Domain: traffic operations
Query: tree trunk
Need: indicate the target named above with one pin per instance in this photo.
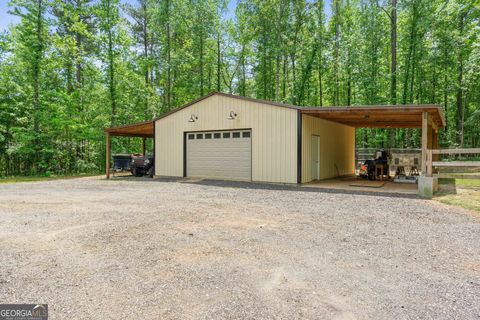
(264, 63)
(460, 93)
(336, 90)
(111, 72)
(37, 62)
(277, 77)
(294, 77)
(393, 63)
(320, 80)
(201, 64)
(349, 86)
(78, 68)
(410, 57)
(445, 89)
(244, 71)
(285, 77)
(145, 55)
(320, 51)
(219, 63)
(393, 52)
(169, 62)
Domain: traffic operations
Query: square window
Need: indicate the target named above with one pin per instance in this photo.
(236, 135)
(226, 135)
(208, 136)
(246, 134)
(199, 135)
(217, 135)
(191, 136)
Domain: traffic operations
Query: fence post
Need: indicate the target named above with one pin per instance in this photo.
(107, 154)
(424, 142)
(429, 163)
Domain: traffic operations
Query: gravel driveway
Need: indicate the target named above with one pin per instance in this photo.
(142, 249)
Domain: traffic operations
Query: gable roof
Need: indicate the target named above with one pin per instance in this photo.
(272, 103)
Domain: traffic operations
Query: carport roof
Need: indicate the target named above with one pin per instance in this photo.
(141, 129)
(379, 116)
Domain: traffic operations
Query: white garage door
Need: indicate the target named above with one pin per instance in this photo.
(220, 155)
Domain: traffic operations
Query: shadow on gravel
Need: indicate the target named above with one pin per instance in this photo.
(268, 186)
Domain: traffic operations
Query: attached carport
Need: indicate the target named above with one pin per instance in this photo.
(142, 130)
(428, 118)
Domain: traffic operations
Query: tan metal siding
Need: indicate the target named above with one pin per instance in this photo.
(337, 148)
(274, 136)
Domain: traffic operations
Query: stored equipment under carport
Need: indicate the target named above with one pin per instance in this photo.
(121, 162)
(142, 165)
(369, 170)
(405, 165)
(139, 165)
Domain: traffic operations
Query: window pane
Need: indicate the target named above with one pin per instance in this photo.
(226, 135)
(191, 136)
(236, 135)
(199, 135)
(208, 136)
(246, 134)
(217, 135)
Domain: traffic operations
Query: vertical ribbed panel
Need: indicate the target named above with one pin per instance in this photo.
(337, 148)
(274, 132)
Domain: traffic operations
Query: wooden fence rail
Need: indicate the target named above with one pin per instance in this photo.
(452, 164)
(456, 151)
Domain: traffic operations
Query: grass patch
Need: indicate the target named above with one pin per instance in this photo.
(472, 183)
(463, 193)
(41, 178)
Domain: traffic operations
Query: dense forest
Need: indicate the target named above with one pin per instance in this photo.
(69, 68)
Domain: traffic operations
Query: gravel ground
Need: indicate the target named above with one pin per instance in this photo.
(139, 249)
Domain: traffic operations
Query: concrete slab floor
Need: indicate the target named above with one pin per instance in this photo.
(359, 184)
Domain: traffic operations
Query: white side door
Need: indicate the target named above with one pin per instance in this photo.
(315, 157)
